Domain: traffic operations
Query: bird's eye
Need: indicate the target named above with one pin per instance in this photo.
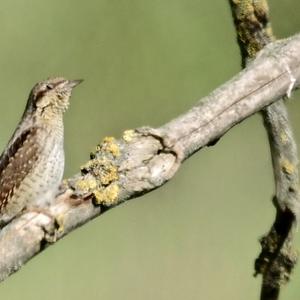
(49, 86)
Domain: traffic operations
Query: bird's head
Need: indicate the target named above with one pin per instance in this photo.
(51, 97)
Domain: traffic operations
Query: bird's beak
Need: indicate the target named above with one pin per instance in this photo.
(73, 83)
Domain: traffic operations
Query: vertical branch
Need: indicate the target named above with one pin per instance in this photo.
(277, 257)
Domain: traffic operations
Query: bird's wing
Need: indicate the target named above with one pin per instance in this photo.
(16, 162)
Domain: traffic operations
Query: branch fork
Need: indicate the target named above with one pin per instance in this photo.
(143, 160)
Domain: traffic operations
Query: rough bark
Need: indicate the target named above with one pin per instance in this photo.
(143, 160)
(278, 257)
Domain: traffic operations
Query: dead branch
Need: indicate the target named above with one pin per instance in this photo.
(145, 159)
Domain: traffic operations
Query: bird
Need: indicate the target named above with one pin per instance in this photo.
(32, 163)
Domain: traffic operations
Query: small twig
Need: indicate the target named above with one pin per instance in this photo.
(278, 257)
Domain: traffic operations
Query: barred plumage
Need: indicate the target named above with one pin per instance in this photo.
(32, 165)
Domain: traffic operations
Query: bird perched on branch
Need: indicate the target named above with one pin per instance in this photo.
(32, 164)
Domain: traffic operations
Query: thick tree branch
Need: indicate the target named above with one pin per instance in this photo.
(277, 257)
(143, 160)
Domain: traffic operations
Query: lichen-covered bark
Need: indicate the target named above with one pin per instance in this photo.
(278, 257)
(143, 160)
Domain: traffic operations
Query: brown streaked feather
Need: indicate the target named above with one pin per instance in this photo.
(14, 166)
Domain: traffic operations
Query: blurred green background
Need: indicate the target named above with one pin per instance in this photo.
(144, 62)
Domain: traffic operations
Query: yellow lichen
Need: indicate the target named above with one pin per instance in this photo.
(107, 196)
(109, 145)
(60, 221)
(87, 165)
(110, 174)
(102, 169)
(283, 137)
(287, 166)
(93, 163)
(86, 184)
(108, 139)
(128, 135)
(113, 149)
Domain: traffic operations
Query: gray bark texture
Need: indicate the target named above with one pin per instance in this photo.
(144, 159)
(278, 257)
